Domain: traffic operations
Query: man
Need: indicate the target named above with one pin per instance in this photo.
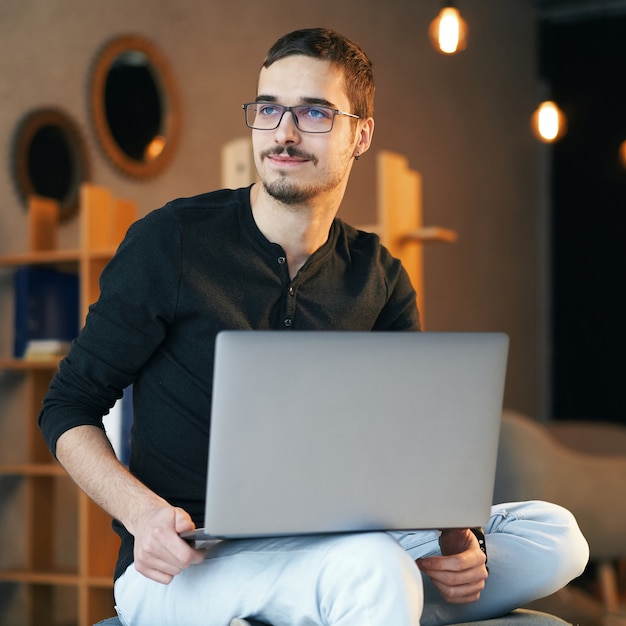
(270, 256)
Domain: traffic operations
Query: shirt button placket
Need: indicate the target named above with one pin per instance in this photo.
(290, 307)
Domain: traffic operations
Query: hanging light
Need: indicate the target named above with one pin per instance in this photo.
(448, 31)
(548, 122)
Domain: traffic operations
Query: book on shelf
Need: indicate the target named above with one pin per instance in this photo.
(46, 312)
(45, 349)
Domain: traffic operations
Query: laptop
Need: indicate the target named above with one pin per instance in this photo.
(341, 431)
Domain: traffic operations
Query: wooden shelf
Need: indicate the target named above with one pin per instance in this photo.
(45, 489)
(51, 257)
(44, 257)
(40, 578)
(430, 234)
(55, 578)
(22, 365)
(31, 469)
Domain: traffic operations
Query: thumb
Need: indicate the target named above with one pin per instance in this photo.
(183, 521)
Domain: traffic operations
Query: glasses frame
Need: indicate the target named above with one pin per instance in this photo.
(292, 110)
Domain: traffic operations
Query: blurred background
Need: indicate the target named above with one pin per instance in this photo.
(539, 226)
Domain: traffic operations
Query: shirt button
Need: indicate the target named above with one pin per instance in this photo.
(291, 291)
(287, 322)
(281, 260)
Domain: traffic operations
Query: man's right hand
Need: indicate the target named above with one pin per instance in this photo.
(160, 553)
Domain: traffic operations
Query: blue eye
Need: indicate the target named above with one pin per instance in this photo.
(318, 113)
(268, 110)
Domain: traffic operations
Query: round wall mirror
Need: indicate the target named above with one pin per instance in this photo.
(49, 159)
(135, 106)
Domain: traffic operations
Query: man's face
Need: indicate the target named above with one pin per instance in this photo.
(296, 166)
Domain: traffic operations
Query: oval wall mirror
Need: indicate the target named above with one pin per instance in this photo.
(134, 105)
(49, 158)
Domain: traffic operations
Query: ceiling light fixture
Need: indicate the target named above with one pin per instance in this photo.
(548, 122)
(448, 31)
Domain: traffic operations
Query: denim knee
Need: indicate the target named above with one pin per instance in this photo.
(550, 533)
(370, 569)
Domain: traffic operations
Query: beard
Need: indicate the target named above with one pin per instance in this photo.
(287, 192)
(291, 193)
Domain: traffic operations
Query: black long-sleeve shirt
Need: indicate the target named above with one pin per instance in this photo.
(182, 274)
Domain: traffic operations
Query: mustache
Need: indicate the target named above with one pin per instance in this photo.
(291, 151)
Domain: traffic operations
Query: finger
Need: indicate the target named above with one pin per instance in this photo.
(164, 551)
(455, 563)
(180, 553)
(461, 594)
(154, 573)
(182, 521)
(459, 587)
(442, 563)
(164, 566)
(454, 579)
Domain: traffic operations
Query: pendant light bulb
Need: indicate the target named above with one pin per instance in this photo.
(548, 122)
(448, 31)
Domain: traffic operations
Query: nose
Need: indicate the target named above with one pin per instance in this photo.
(287, 131)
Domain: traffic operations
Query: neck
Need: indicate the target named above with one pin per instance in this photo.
(299, 229)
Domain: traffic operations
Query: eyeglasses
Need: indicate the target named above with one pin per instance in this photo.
(309, 118)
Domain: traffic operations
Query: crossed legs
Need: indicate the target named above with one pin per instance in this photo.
(365, 579)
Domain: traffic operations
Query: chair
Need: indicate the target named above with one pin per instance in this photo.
(579, 465)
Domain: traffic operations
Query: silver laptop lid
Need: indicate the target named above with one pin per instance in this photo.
(335, 431)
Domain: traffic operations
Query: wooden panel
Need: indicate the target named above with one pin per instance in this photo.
(49, 365)
(42, 257)
(104, 218)
(39, 381)
(90, 271)
(125, 215)
(399, 190)
(98, 604)
(41, 606)
(96, 209)
(399, 203)
(41, 523)
(43, 219)
(99, 544)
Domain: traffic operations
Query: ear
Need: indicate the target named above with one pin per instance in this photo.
(365, 132)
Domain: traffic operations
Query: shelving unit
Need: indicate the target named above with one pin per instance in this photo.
(399, 205)
(50, 501)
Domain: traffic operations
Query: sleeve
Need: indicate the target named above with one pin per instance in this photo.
(400, 311)
(137, 303)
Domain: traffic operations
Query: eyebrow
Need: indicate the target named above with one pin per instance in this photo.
(303, 101)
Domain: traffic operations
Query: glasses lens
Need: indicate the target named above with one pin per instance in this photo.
(314, 119)
(263, 116)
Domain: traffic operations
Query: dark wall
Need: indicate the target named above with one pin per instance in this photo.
(585, 64)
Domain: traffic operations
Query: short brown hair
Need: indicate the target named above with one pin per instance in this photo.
(329, 45)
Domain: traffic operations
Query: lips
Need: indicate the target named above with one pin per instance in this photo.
(285, 159)
(288, 156)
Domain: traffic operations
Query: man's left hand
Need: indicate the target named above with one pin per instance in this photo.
(460, 573)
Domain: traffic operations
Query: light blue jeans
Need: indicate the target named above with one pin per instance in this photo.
(368, 579)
